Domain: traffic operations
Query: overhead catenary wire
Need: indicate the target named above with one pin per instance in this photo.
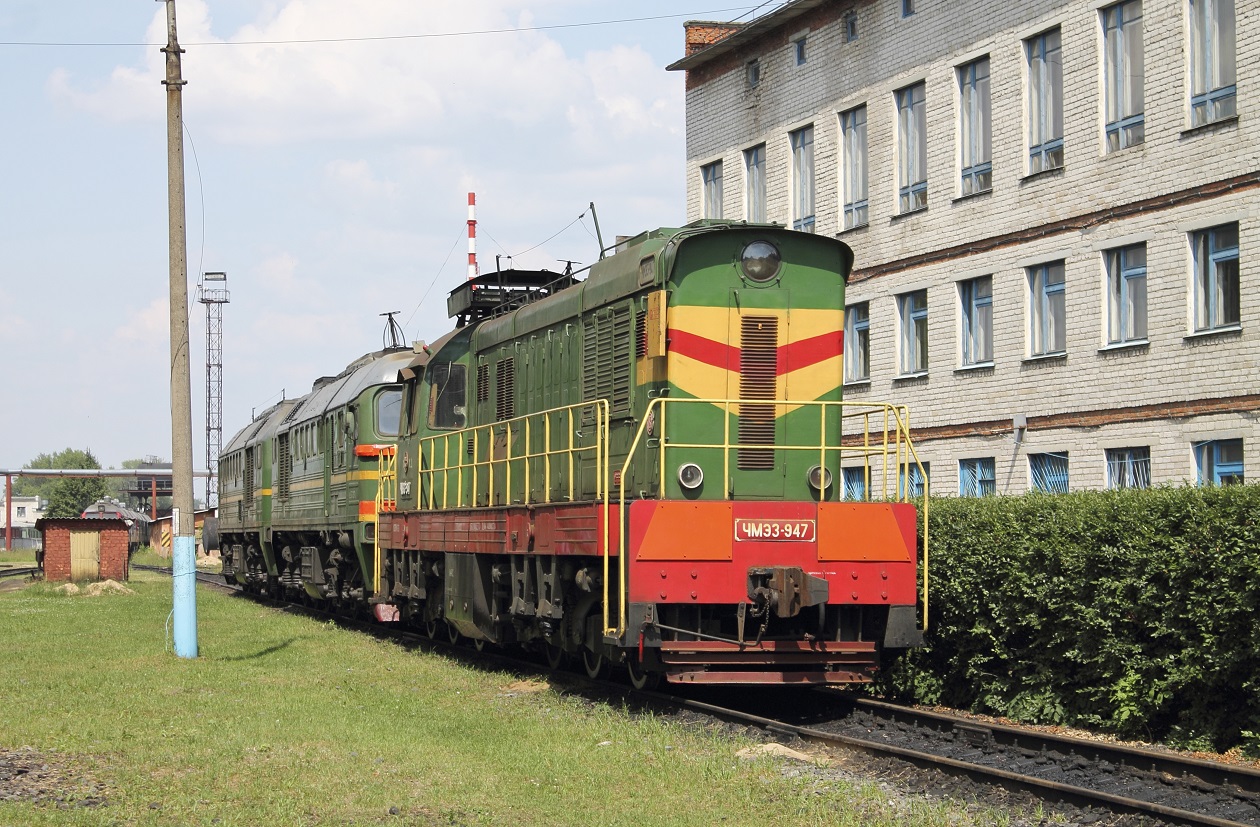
(379, 38)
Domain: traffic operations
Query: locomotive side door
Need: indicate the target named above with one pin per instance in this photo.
(758, 327)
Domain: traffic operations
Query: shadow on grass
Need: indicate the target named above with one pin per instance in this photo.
(262, 653)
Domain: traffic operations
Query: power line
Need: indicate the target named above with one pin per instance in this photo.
(377, 38)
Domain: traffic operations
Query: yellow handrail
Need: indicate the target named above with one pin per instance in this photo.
(387, 480)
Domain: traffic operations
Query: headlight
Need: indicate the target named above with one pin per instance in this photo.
(819, 478)
(690, 475)
(760, 261)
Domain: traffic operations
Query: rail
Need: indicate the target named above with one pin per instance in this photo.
(386, 500)
(880, 436)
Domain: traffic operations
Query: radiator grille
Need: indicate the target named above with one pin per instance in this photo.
(284, 466)
(483, 383)
(758, 368)
(505, 389)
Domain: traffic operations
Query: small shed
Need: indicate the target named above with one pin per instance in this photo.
(84, 549)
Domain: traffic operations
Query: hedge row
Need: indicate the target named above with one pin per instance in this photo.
(1136, 612)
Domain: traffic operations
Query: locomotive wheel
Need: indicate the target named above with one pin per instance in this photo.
(479, 644)
(555, 656)
(640, 678)
(431, 628)
(595, 664)
(452, 634)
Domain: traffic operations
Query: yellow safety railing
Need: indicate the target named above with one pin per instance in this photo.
(453, 476)
(878, 433)
(386, 500)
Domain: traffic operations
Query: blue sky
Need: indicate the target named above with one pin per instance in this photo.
(329, 180)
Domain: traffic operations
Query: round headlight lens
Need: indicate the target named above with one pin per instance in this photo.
(690, 475)
(819, 478)
(760, 261)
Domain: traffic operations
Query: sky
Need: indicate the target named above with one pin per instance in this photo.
(328, 179)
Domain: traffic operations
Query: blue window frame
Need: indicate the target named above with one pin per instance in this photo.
(1213, 72)
(1045, 102)
(1126, 294)
(973, 127)
(857, 342)
(1219, 461)
(799, 48)
(912, 308)
(854, 483)
(976, 296)
(850, 26)
(1049, 472)
(1123, 74)
(755, 184)
(802, 141)
(912, 148)
(1129, 467)
(1048, 323)
(853, 133)
(977, 477)
(911, 481)
(907, 8)
(752, 73)
(1216, 294)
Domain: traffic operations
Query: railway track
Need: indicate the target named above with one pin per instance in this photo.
(1165, 786)
(25, 571)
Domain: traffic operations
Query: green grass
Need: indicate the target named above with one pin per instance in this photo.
(283, 720)
(18, 557)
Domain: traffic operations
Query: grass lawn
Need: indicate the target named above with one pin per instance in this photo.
(287, 721)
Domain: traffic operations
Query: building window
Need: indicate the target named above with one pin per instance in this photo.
(973, 127)
(1212, 67)
(853, 132)
(912, 479)
(803, 178)
(1129, 468)
(857, 342)
(1045, 102)
(711, 175)
(799, 47)
(912, 308)
(1047, 328)
(1219, 462)
(911, 148)
(907, 8)
(1123, 74)
(755, 184)
(1049, 472)
(850, 27)
(1216, 296)
(1126, 294)
(976, 477)
(21, 511)
(976, 296)
(854, 483)
(752, 73)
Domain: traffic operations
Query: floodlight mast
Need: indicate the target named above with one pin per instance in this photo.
(183, 541)
(213, 293)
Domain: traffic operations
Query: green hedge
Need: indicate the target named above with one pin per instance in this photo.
(1136, 612)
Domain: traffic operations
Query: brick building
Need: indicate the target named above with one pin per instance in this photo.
(84, 549)
(1055, 211)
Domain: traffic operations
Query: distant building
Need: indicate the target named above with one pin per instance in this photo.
(26, 511)
(1055, 211)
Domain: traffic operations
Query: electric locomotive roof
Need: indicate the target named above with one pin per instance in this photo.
(493, 294)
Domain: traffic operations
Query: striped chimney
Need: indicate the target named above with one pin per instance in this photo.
(472, 235)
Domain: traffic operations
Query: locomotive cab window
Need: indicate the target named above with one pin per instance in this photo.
(446, 399)
(389, 412)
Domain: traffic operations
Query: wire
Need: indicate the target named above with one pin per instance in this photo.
(201, 192)
(553, 235)
(377, 38)
(435, 276)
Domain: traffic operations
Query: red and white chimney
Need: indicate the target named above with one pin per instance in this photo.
(472, 236)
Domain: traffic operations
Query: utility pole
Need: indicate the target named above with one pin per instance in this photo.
(183, 542)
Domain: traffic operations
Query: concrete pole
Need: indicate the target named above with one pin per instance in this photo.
(8, 512)
(183, 543)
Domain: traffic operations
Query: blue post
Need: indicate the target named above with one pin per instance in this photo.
(184, 567)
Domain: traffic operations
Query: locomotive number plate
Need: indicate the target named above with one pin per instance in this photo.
(797, 531)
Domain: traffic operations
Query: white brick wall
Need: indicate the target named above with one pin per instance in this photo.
(724, 118)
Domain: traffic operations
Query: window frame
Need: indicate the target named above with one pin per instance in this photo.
(711, 189)
(1041, 309)
(798, 49)
(1126, 289)
(1207, 259)
(854, 483)
(1045, 101)
(977, 477)
(914, 479)
(911, 107)
(850, 26)
(752, 73)
(1128, 467)
(1212, 99)
(975, 135)
(1050, 478)
(755, 184)
(1208, 462)
(854, 169)
(1124, 109)
(857, 343)
(912, 319)
(973, 302)
(801, 142)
